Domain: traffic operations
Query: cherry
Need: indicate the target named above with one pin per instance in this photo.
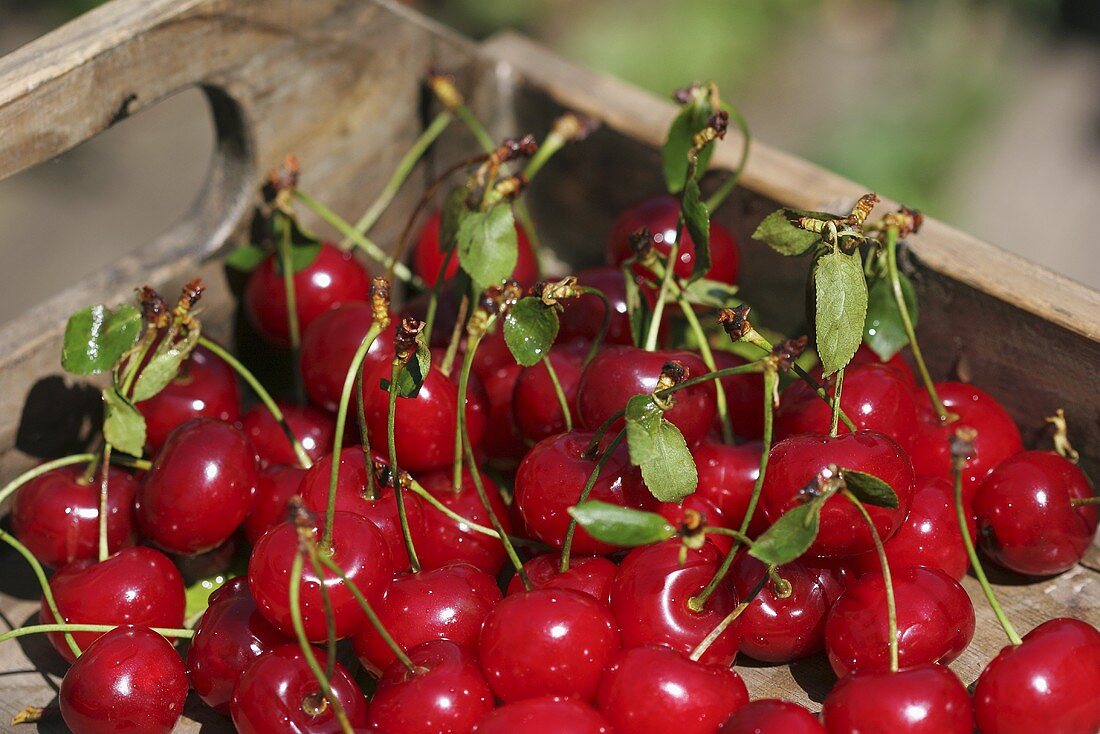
(278, 692)
(1050, 683)
(1026, 521)
(776, 629)
(865, 355)
(278, 483)
(581, 317)
(198, 567)
(935, 621)
(998, 437)
(552, 476)
(200, 488)
(446, 541)
(727, 475)
(357, 547)
(659, 215)
(449, 602)
(330, 344)
(925, 700)
(134, 586)
(697, 509)
(204, 387)
(447, 694)
(591, 575)
(428, 258)
(535, 405)
(56, 515)
(797, 461)
(744, 396)
(229, 636)
(547, 642)
(771, 716)
(315, 431)
(502, 440)
(650, 593)
(656, 690)
(334, 277)
(619, 373)
(547, 715)
(130, 679)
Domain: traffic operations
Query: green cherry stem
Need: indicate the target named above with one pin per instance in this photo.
(1083, 501)
(836, 402)
(722, 192)
(286, 264)
(399, 494)
(37, 471)
(433, 299)
(68, 629)
(567, 545)
(701, 649)
(456, 337)
(330, 619)
(484, 139)
(735, 534)
(662, 293)
(364, 439)
(821, 393)
(473, 341)
(887, 579)
(505, 539)
(43, 583)
(563, 403)
(418, 489)
(104, 483)
(605, 324)
(708, 360)
(88, 476)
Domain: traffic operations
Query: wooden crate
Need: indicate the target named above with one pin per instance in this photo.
(338, 83)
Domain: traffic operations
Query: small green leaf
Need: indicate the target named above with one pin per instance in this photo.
(530, 328)
(659, 449)
(693, 117)
(869, 489)
(97, 337)
(164, 365)
(623, 526)
(883, 330)
(454, 209)
(712, 293)
(488, 245)
(841, 308)
(789, 537)
(411, 377)
(697, 221)
(245, 258)
(779, 231)
(123, 425)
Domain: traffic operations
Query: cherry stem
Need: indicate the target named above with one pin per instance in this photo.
(1084, 501)
(264, 396)
(456, 336)
(729, 533)
(708, 360)
(286, 263)
(567, 545)
(887, 579)
(714, 634)
(34, 714)
(68, 629)
(402, 516)
(722, 192)
(364, 439)
(484, 139)
(604, 325)
(472, 343)
(821, 393)
(341, 422)
(562, 401)
(433, 299)
(47, 592)
(523, 216)
(330, 619)
(428, 497)
(37, 471)
(104, 482)
(836, 402)
(505, 539)
(601, 430)
(93, 466)
(662, 293)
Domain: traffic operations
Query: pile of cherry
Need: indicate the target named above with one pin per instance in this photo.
(410, 566)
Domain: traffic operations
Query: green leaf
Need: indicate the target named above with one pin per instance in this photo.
(411, 377)
(779, 231)
(693, 117)
(712, 293)
(163, 366)
(697, 221)
(97, 337)
(623, 526)
(454, 210)
(869, 489)
(530, 328)
(841, 307)
(123, 425)
(659, 449)
(789, 537)
(488, 245)
(637, 308)
(246, 258)
(883, 330)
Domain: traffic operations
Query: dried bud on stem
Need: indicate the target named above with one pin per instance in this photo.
(907, 221)
(573, 127)
(550, 293)
(405, 340)
(304, 522)
(962, 445)
(827, 482)
(787, 353)
(510, 188)
(282, 181)
(380, 301)
(683, 95)
(673, 373)
(513, 148)
(444, 89)
(153, 307)
(641, 242)
(862, 209)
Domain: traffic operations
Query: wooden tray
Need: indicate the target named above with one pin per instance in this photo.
(338, 84)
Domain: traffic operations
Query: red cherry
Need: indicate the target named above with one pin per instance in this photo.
(581, 317)
(446, 541)
(771, 716)
(278, 483)
(547, 715)
(727, 475)
(502, 440)
(329, 345)
(547, 642)
(864, 356)
(428, 258)
(650, 593)
(692, 509)
(659, 214)
(1026, 521)
(449, 602)
(744, 397)
(131, 679)
(134, 586)
(591, 575)
(924, 700)
(535, 405)
(334, 277)
(446, 695)
(619, 373)
(656, 690)
(278, 692)
(200, 488)
(357, 547)
(314, 429)
(1050, 683)
(552, 476)
(229, 636)
(205, 387)
(56, 515)
(797, 461)
(935, 622)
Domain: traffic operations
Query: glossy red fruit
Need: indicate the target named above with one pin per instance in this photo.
(279, 693)
(659, 215)
(278, 483)
(649, 598)
(428, 258)
(656, 690)
(137, 586)
(744, 397)
(315, 431)
(727, 475)
(696, 508)
(446, 695)
(779, 630)
(998, 437)
(547, 715)
(864, 356)
(334, 277)
(449, 603)
(581, 317)
(797, 461)
(552, 476)
(329, 345)
(771, 716)
(619, 373)
(229, 636)
(446, 541)
(591, 575)
(1026, 521)
(1050, 683)
(535, 405)
(547, 642)
(935, 622)
(924, 700)
(131, 679)
(502, 441)
(205, 387)
(56, 515)
(357, 547)
(200, 488)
